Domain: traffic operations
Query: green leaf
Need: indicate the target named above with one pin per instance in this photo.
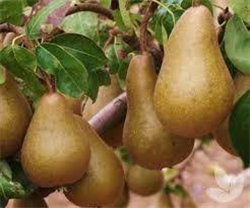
(103, 77)
(22, 64)
(82, 48)
(71, 74)
(241, 8)
(122, 71)
(34, 26)
(2, 75)
(239, 127)
(11, 11)
(84, 23)
(93, 85)
(125, 13)
(5, 169)
(105, 3)
(188, 3)
(237, 44)
(119, 21)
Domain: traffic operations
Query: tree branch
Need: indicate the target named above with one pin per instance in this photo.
(91, 7)
(143, 29)
(112, 114)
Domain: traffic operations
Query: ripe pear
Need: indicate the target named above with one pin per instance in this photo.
(15, 114)
(55, 150)
(242, 84)
(122, 200)
(30, 202)
(75, 104)
(105, 95)
(104, 180)
(164, 201)
(148, 143)
(194, 91)
(143, 181)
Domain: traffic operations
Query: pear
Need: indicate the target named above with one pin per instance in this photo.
(242, 84)
(143, 181)
(122, 200)
(104, 180)
(15, 114)
(106, 94)
(194, 91)
(30, 202)
(148, 143)
(163, 200)
(75, 104)
(55, 150)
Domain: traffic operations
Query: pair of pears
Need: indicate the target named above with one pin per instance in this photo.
(191, 97)
(61, 149)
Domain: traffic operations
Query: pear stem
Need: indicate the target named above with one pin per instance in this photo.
(143, 29)
(196, 3)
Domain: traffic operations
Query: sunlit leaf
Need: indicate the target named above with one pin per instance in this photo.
(241, 8)
(237, 44)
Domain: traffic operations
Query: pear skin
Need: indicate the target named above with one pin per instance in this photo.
(15, 114)
(32, 201)
(242, 84)
(75, 104)
(104, 181)
(105, 95)
(164, 201)
(148, 143)
(143, 181)
(194, 91)
(55, 150)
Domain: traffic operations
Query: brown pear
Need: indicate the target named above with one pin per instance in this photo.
(143, 181)
(75, 104)
(106, 94)
(148, 143)
(15, 115)
(194, 91)
(55, 150)
(32, 201)
(242, 84)
(104, 181)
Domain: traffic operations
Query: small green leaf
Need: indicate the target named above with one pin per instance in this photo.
(93, 85)
(22, 64)
(239, 128)
(71, 74)
(5, 169)
(84, 23)
(237, 44)
(119, 21)
(122, 71)
(2, 75)
(83, 48)
(11, 11)
(241, 8)
(125, 13)
(34, 26)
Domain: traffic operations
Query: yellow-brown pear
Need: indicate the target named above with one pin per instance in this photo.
(32, 201)
(242, 84)
(148, 143)
(143, 181)
(194, 91)
(103, 182)
(15, 115)
(55, 150)
(105, 95)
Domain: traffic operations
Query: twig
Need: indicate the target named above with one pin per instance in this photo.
(7, 27)
(91, 7)
(143, 29)
(112, 114)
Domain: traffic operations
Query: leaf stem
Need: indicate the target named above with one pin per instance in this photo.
(196, 3)
(143, 29)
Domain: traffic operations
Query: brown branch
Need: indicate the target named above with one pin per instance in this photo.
(143, 29)
(91, 7)
(112, 114)
(7, 27)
